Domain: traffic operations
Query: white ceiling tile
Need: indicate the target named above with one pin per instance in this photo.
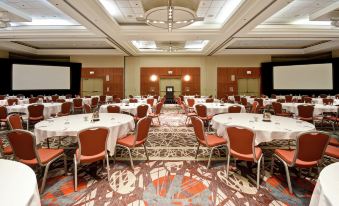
(138, 10)
(205, 3)
(135, 4)
(217, 3)
(123, 3)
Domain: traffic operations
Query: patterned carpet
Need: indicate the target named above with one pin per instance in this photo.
(173, 177)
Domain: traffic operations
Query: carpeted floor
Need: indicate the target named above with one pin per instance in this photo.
(173, 177)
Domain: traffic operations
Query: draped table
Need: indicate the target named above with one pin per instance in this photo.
(141, 101)
(49, 109)
(265, 101)
(278, 128)
(20, 101)
(202, 100)
(218, 108)
(318, 108)
(84, 100)
(118, 124)
(124, 107)
(326, 191)
(18, 184)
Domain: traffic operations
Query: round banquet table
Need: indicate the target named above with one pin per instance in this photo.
(49, 109)
(84, 100)
(326, 191)
(18, 184)
(140, 101)
(265, 101)
(318, 108)
(20, 101)
(203, 100)
(118, 124)
(278, 128)
(130, 108)
(320, 101)
(217, 108)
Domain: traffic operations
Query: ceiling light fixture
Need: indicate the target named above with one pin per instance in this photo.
(4, 20)
(170, 17)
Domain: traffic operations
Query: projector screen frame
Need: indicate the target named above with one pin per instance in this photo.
(267, 87)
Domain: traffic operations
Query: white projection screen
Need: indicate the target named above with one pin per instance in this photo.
(310, 76)
(40, 77)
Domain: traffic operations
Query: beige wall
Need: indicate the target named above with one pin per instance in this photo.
(208, 66)
(3, 54)
(335, 53)
(99, 61)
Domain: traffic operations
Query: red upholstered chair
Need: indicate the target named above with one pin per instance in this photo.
(181, 97)
(92, 148)
(254, 108)
(156, 97)
(332, 152)
(87, 109)
(197, 96)
(26, 151)
(163, 100)
(278, 110)
(288, 98)
(307, 100)
(54, 98)
(241, 146)
(130, 96)
(273, 96)
(12, 101)
(138, 138)
(261, 106)
(33, 100)
(113, 109)
(102, 99)
(190, 103)
(3, 115)
(327, 101)
(308, 153)
(141, 112)
(117, 100)
(35, 114)
(68, 96)
(209, 100)
(234, 109)
(77, 105)
(208, 140)
(201, 111)
(156, 114)
(243, 101)
(281, 100)
(133, 100)
(60, 100)
(337, 96)
(323, 95)
(334, 141)
(188, 114)
(305, 113)
(66, 109)
(94, 102)
(14, 121)
(5, 150)
(237, 98)
(150, 102)
(2, 97)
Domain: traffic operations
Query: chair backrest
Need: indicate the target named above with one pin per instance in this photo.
(36, 110)
(113, 109)
(237, 98)
(117, 100)
(243, 101)
(23, 144)
(190, 102)
(142, 129)
(158, 108)
(68, 96)
(197, 96)
(66, 108)
(277, 107)
(133, 100)
(260, 101)
(209, 100)
(60, 100)
(14, 121)
(2, 97)
(198, 127)
(281, 100)
(224, 99)
(130, 96)
(12, 101)
(142, 110)
(3, 112)
(102, 98)
(305, 111)
(234, 109)
(273, 96)
(54, 98)
(94, 101)
(163, 100)
(311, 146)
(327, 101)
(87, 109)
(92, 141)
(156, 97)
(307, 100)
(33, 100)
(323, 95)
(150, 101)
(241, 140)
(201, 110)
(337, 96)
(181, 97)
(77, 102)
(254, 108)
(288, 98)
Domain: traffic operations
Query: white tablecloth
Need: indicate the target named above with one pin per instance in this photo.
(265, 101)
(216, 108)
(49, 109)
(320, 101)
(193, 97)
(141, 101)
(278, 128)
(84, 100)
(318, 108)
(130, 108)
(18, 184)
(326, 192)
(20, 101)
(202, 100)
(119, 125)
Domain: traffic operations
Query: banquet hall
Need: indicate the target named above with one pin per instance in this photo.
(169, 102)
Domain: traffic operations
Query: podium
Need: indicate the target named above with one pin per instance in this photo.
(170, 94)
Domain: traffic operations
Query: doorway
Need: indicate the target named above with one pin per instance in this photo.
(249, 87)
(92, 87)
(175, 83)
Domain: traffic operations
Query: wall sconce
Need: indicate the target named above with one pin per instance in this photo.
(170, 72)
(248, 72)
(187, 89)
(232, 77)
(91, 72)
(152, 89)
(153, 78)
(187, 77)
(107, 78)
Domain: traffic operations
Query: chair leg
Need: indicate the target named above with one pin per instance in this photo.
(146, 152)
(115, 155)
(258, 172)
(65, 164)
(159, 121)
(44, 178)
(196, 153)
(107, 162)
(209, 159)
(263, 166)
(130, 156)
(75, 174)
(288, 177)
(228, 164)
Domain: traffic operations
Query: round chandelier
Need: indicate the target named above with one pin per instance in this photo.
(170, 17)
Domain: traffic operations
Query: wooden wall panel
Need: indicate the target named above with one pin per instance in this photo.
(115, 83)
(149, 87)
(225, 83)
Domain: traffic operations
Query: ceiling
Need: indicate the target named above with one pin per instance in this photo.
(112, 27)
